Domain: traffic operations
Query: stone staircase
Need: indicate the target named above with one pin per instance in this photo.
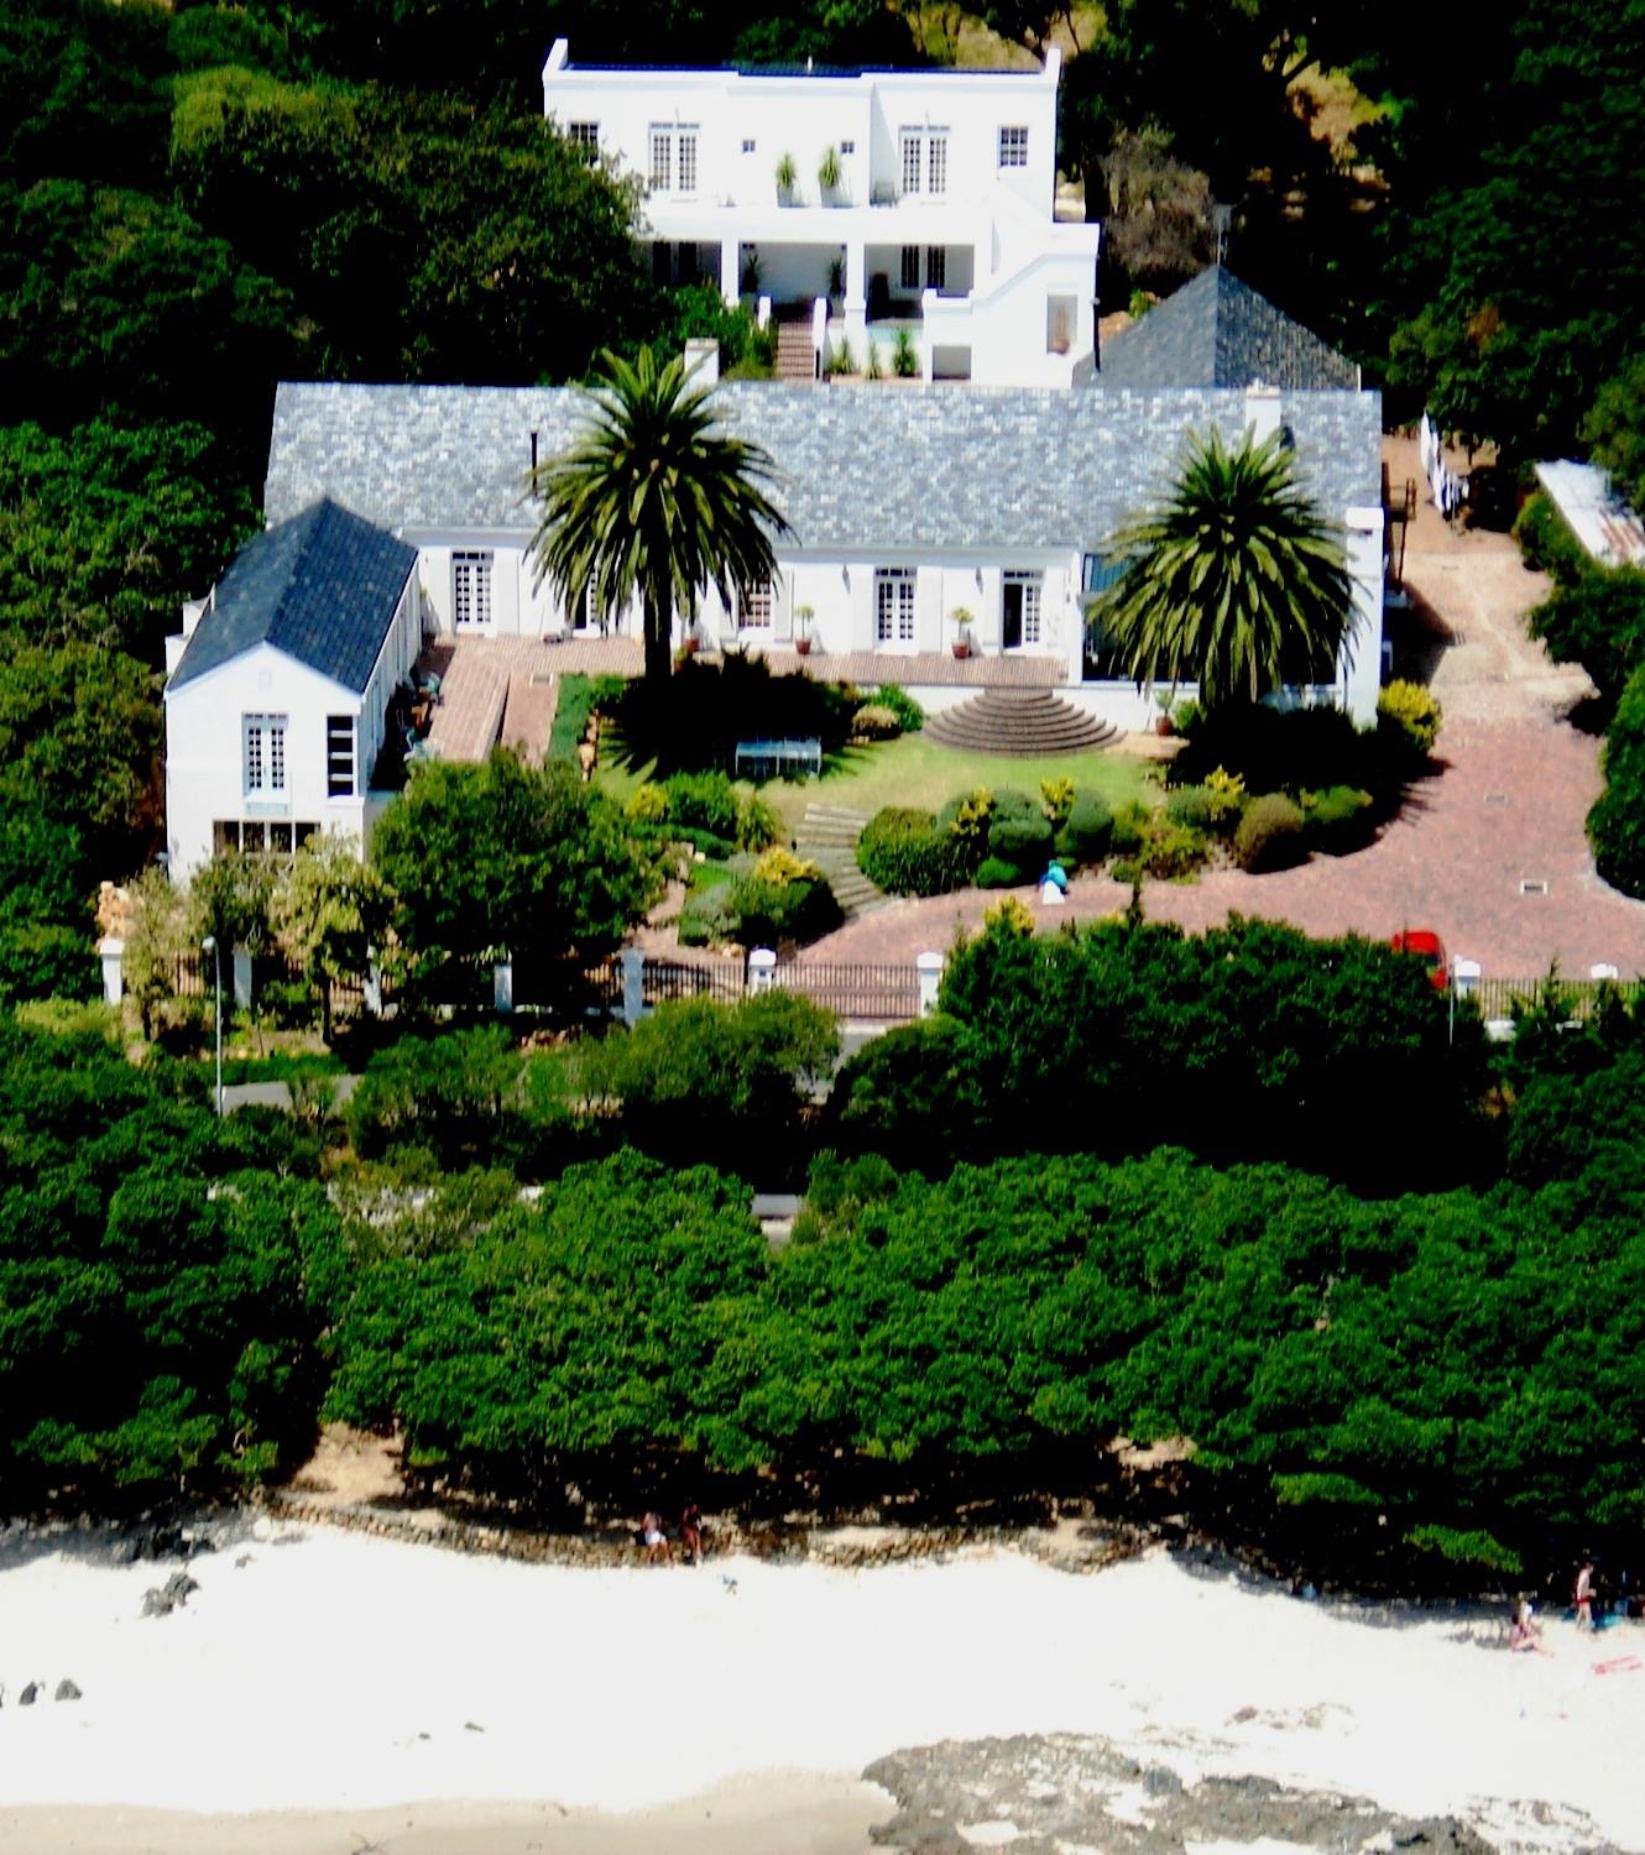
(1022, 722)
(828, 837)
(795, 354)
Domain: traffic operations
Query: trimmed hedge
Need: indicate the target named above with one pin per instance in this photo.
(1338, 821)
(1616, 825)
(903, 852)
(1088, 830)
(1270, 835)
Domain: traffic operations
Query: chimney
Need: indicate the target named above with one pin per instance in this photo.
(702, 361)
(1262, 412)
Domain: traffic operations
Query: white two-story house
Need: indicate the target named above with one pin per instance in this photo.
(863, 202)
(279, 685)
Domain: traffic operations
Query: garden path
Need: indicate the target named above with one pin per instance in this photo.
(1508, 806)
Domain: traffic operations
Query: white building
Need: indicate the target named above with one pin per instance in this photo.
(278, 687)
(867, 202)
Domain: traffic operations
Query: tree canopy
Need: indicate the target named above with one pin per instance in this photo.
(1236, 583)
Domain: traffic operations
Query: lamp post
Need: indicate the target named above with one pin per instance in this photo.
(209, 945)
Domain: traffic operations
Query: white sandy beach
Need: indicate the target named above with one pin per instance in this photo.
(336, 1672)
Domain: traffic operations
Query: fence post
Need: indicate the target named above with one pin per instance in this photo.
(1465, 977)
(762, 971)
(929, 967)
(502, 985)
(242, 979)
(111, 951)
(1602, 971)
(633, 985)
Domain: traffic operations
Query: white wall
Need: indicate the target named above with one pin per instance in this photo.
(204, 742)
(802, 116)
(204, 769)
(1362, 678)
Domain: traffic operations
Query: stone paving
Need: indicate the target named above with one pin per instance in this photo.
(1506, 806)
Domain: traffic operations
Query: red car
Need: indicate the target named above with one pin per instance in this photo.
(1425, 945)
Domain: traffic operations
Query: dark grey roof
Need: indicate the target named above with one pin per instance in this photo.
(322, 586)
(1218, 332)
(866, 467)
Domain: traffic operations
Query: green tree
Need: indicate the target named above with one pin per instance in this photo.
(1237, 583)
(329, 910)
(1615, 430)
(1616, 825)
(509, 856)
(655, 500)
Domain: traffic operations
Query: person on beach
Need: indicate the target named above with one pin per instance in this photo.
(691, 1533)
(657, 1548)
(1585, 1595)
(1524, 1632)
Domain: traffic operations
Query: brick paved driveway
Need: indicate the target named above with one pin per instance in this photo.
(1507, 807)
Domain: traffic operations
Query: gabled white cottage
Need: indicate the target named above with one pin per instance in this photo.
(278, 687)
(863, 201)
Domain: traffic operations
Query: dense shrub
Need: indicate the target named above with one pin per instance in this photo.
(910, 716)
(999, 873)
(1337, 821)
(875, 722)
(1024, 843)
(904, 852)
(1616, 825)
(1270, 835)
(966, 818)
(1408, 722)
(1597, 621)
(1056, 800)
(1547, 543)
(1274, 750)
(695, 720)
(1088, 830)
(703, 802)
(1194, 806)
(1163, 848)
(781, 914)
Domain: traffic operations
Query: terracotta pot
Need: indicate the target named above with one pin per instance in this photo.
(803, 646)
(1162, 726)
(688, 647)
(962, 650)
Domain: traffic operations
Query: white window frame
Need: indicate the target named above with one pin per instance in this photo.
(342, 757)
(685, 160)
(660, 172)
(1032, 584)
(936, 267)
(263, 756)
(755, 605)
(894, 598)
(584, 135)
(911, 143)
(936, 162)
(471, 588)
(1013, 144)
(1062, 314)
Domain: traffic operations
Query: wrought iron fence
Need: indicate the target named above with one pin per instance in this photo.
(1577, 998)
(663, 981)
(887, 992)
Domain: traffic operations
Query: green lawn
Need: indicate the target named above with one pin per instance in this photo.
(918, 772)
(915, 771)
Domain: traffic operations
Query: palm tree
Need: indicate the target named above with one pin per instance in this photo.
(1237, 583)
(654, 498)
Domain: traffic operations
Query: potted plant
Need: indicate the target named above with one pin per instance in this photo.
(963, 640)
(828, 171)
(751, 273)
(787, 175)
(803, 615)
(836, 279)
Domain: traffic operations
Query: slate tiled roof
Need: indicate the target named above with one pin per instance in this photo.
(866, 467)
(322, 586)
(1218, 332)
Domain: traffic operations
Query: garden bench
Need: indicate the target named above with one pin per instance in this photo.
(775, 759)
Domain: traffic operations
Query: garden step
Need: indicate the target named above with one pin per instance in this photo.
(1024, 723)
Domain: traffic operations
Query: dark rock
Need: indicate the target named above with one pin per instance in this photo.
(66, 1690)
(174, 1593)
(30, 1694)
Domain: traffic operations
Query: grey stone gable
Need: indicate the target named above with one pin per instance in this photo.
(322, 586)
(866, 468)
(1218, 332)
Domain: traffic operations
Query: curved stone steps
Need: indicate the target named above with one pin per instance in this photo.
(1022, 723)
